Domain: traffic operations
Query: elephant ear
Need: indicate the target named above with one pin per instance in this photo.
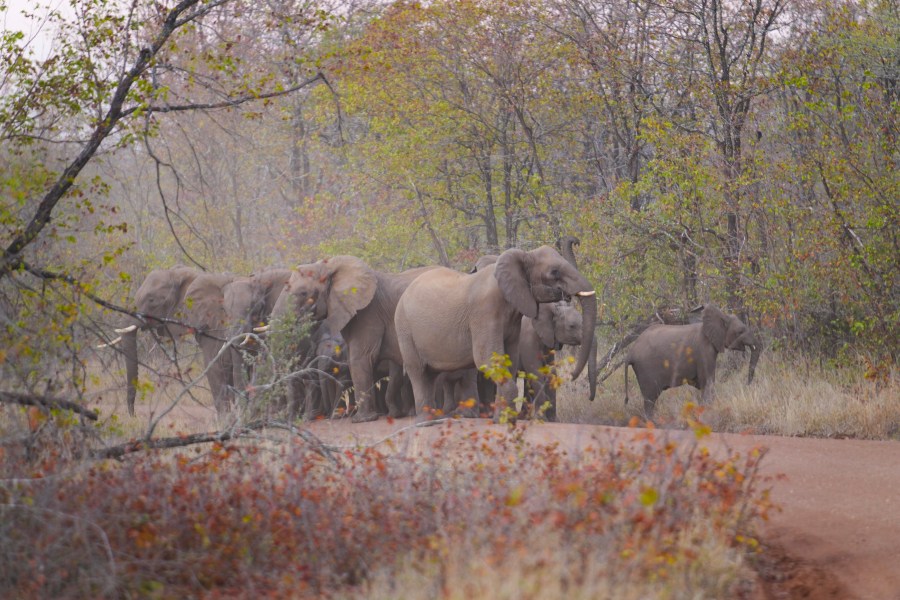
(714, 326)
(544, 324)
(351, 287)
(512, 276)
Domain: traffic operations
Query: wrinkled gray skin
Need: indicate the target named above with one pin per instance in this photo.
(350, 297)
(557, 324)
(447, 320)
(540, 340)
(249, 302)
(205, 311)
(160, 296)
(667, 356)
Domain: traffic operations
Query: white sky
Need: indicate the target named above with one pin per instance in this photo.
(38, 34)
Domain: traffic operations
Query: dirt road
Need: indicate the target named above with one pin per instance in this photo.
(837, 535)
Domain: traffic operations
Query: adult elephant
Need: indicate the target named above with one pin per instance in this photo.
(248, 303)
(350, 297)
(158, 303)
(667, 356)
(540, 341)
(204, 310)
(447, 320)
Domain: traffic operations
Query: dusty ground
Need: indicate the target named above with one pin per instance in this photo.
(837, 535)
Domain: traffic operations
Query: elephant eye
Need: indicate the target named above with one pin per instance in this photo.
(554, 273)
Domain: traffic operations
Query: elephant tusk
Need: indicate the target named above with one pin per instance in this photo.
(261, 329)
(246, 340)
(590, 293)
(126, 329)
(110, 343)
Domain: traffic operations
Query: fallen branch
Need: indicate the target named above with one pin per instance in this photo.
(232, 433)
(45, 402)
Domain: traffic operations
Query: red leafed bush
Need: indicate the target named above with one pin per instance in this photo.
(247, 520)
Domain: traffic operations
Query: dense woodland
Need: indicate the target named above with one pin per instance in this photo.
(743, 153)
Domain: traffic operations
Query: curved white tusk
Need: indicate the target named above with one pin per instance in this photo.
(261, 329)
(590, 293)
(110, 343)
(246, 340)
(126, 329)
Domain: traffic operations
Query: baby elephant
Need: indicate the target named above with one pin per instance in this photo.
(667, 356)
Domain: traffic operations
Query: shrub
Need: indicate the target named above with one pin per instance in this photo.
(456, 519)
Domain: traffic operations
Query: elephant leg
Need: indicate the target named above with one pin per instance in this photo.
(708, 392)
(295, 398)
(466, 389)
(407, 398)
(550, 399)
(313, 399)
(398, 393)
(507, 390)
(486, 392)
(362, 374)
(238, 372)
(218, 372)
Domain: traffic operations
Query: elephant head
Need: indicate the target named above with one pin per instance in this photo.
(728, 332)
(249, 301)
(559, 324)
(333, 290)
(160, 297)
(528, 279)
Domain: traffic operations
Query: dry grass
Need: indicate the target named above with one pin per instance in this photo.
(790, 396)
(550, 572)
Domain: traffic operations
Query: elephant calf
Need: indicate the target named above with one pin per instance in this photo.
(667, 356)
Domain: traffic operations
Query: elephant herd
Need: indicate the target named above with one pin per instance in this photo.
(426, 330)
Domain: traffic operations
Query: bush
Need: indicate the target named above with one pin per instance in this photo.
(471, 510)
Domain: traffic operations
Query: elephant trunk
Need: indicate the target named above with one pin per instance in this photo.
(129, 349)
(592, 369)
(566, 247)
(755, 351)
(588, 321)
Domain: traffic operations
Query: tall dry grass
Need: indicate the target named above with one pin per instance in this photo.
(790, 395)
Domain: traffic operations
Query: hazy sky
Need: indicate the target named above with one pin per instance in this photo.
(38, 34)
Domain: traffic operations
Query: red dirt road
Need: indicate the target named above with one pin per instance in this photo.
(837, 535)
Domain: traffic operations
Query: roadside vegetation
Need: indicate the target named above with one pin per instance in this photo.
(468, 514)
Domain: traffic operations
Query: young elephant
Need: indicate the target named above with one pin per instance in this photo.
(556, 325)
(667, 356)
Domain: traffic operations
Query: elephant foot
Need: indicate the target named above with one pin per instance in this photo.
(361, 417)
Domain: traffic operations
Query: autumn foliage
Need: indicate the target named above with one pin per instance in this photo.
(452, 518)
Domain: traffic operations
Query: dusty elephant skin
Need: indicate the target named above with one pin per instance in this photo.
(557, 324)
(667, 356)
(350, 297)
(160, 296)
(205, 311)
(447, 320)
(248, 303)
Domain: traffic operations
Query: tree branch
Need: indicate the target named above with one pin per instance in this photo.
(46, 402)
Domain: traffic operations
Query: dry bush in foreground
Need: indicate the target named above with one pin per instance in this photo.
(478, 514)
(789, 396)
